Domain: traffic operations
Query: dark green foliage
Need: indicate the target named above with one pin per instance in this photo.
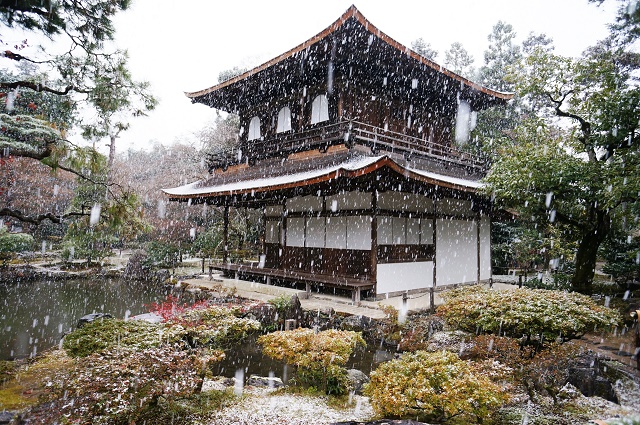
(622, 255)
(89, 20)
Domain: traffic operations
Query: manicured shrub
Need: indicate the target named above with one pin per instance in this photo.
(104, 334)
(212, 326)
(529, 312)
(319, 356)
(542, 372)
(120, 386)
(434, 387)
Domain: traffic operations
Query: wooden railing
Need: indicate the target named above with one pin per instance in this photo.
(349, 133)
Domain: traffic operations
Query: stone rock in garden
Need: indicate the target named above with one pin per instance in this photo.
(6, 417)
(136, 268)
(354, 323)
(265, 381)
(586, 375)
(357, 378)
(295, 310)
(569, 392)
(148, 317)
(88, 318)
(626, 392)
(218, 383)
(264, 313)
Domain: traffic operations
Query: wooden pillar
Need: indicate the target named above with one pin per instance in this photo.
(283, 235)
(225, 235)
(478, 244)
(374, 241)
(432, 304)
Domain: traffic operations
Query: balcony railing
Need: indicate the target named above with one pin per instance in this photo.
(350, 133)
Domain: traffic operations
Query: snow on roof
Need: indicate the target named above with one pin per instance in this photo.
(474, 184)
(197, 189)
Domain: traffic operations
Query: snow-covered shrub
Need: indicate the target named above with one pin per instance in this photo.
(435, 387)
(105, 333)
(118, 386)
(320, 357)
(528, 312)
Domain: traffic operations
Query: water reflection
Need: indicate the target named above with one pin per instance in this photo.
(35, 315)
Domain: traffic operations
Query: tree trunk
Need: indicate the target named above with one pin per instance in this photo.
(587, 253)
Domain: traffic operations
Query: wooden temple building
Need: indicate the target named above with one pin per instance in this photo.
(348, 146)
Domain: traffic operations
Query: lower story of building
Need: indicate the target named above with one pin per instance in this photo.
(388, 242)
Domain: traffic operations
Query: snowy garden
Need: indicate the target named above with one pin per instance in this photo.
(355, 174)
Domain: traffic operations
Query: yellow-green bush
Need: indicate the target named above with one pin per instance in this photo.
(319, 356)
(434, 387)
(531, 312)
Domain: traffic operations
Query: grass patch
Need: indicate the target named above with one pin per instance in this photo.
(28, 380)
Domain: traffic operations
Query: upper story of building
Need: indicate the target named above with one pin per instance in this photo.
(353, 87)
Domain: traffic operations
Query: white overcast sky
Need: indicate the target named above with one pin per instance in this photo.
(182, 45)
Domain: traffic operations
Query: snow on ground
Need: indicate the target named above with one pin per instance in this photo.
(262, 407)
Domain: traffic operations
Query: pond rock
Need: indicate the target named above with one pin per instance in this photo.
(357, 378)
(355, 323)
(586, 374)
(265, 381)
(6, 417)
(88, 318)
(218, 383)
(148, 317)
(264, 313)
(295, 310)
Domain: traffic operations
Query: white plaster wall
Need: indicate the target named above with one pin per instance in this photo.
(404, 276)
(295, 231)
(413, 231)
(456, 251)
(485, 248)
(405, 202)
(304, 203)
(314, 234)
(454, 206)
(272, 231)
(336, 232)
(273, 210)
(359, 232)
(426, 231)
(349, 201)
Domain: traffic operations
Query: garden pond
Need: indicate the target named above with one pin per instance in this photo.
(35, 315)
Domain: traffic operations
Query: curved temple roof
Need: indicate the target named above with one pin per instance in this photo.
(352, 167)
(352, 13)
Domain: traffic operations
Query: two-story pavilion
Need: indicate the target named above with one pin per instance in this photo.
(348, 146)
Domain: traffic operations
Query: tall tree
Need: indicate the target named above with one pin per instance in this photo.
(424, 48)
(584, 175)
(117, 98)
(458, 60)
(75, 79)
(501, 54)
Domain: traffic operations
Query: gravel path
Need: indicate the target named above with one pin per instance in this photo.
(262, 407)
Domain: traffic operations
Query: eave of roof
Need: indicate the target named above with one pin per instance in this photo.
(353, 12)
(348, 169)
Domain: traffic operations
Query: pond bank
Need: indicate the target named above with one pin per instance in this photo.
(319, 301)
